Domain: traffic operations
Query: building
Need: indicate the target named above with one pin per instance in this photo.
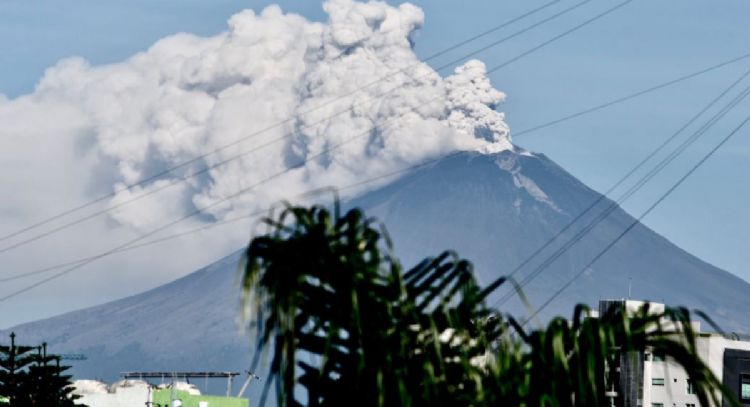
(163, 397)
(134, 393)
(126, 393)
(647, 379)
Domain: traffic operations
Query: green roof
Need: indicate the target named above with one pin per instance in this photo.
(162, 397)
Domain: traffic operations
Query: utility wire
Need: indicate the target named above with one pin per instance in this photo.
(271, 127)
(174, 182)
(153, 232)
(223, 162)
(581, 234)
(630, 96)
(637, 221)
(614, 205)
(619, 182)
(516, 134)
(561, 35)
(570, 224)
(178, 220)
(274, 176)
(232, 220)
(540, 249)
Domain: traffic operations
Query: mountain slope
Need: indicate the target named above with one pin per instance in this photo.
(492, 209)
(189, 324)
(496, 210)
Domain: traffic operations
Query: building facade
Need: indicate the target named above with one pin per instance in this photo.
(648, 379)
(135, 393)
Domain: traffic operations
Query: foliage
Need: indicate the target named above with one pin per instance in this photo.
(346, 324)
(31, 377)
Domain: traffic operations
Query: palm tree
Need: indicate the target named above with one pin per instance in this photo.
(346, 324)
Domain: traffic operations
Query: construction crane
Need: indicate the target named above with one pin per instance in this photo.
(65, 356)
(73, 356)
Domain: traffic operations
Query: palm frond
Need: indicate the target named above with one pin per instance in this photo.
(327, 286)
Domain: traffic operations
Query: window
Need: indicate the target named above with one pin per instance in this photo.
(657, 404)
(657, 382)
(658, 356)
(745, 387)
(689, 405)
(690, 389)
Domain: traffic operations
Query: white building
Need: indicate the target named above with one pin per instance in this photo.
(651, 380)
(126, 393)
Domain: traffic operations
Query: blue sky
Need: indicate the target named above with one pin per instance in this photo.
(643, 44)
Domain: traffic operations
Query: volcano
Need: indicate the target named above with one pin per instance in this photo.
(493, 209)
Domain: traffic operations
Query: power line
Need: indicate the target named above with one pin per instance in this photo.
(535, 128)
(602, 197)
(178, 220)
(370, 180)
(590, 226)
(255, 214)
(643, 215)
(480, 35)
(170, 224)
(632, 190)
(174, 182)
(613, 206)
(276, 175)
(274, 141)
(517, 134)
(630, 96)
(274, 126)
(561, 35)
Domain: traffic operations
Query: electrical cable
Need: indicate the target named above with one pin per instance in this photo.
(266, 129)
(528, 259)
(276, 175)
(615, 205)
(630, 96)
(632, 171)
(232, 220)
(638, 221)
(645, 179)
(560, 36)
(535, 128)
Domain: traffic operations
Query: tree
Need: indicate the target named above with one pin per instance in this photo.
(29, 378)
(13, 363)
(346, 324)
(48, 385)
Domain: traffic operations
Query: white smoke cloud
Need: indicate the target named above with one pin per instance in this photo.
(188, 95)
(94, 129)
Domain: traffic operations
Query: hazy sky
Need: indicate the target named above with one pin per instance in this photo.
(643, 44)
